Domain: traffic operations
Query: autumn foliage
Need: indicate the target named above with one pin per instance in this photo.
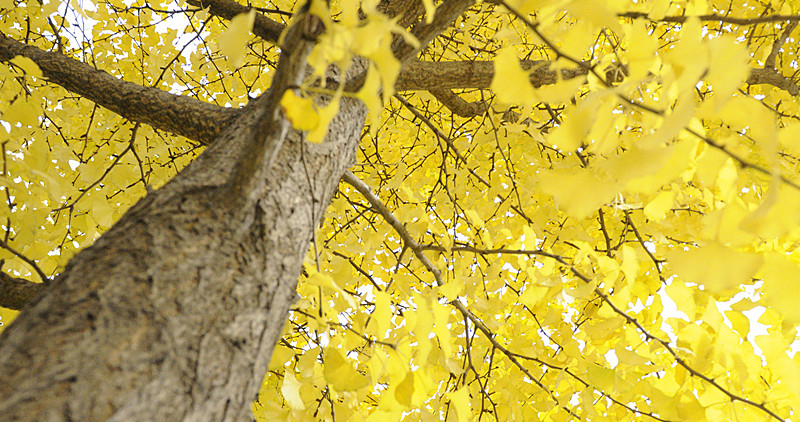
(604, 227)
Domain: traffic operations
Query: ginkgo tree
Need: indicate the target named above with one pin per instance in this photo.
(400, 210)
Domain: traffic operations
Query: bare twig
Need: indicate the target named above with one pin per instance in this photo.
(105, 173)
(441, 135)
(27, 260)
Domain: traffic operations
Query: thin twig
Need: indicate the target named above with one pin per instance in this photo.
(105, 173)
(739, 160)
(27, 260)
(441, 135)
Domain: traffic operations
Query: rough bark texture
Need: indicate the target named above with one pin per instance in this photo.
(16, 292)
(420, 75)
(174, 312)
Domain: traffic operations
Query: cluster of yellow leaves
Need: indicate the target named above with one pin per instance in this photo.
(369, 40)
(70, 168)
(634, 182)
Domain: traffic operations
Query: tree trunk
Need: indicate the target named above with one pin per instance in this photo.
(174, 312)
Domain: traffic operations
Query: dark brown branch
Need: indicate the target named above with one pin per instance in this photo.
(27, 260)
(421, 75)
(772, 77)
(769, 63)
(498, 251)
(270, 30)
(264, 27)
(405, 11)
(16, 292)
(458, 105)
(712, 17)
(434, 76)
(185, 116)
(446, 15)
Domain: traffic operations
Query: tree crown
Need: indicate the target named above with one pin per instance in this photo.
(560, 209)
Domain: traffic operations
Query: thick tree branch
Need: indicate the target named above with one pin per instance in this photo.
(202, 122)
(769, 63)
(270, 30)
(405, 52)
(477, 74)
(772, 77)
(185, 116)
(271, 130)
(264, 27)
(446, 15)
(439, 77)
(712, 17)
(458, 105)
(421, 75)
(173, 313)
(16, 292)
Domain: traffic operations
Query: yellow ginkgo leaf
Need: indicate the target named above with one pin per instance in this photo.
(579, 192)
(325, 281)
(28, 66)
(291, 391)
(460, 401)
(720, 268)
(730, 68)
(600, 377)
(300, 112)
(405, 390)
(511, 84)
(339, 373)
(656, 209)
(233, 42)
(383, 312)
(781, 281)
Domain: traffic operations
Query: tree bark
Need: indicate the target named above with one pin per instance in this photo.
(16, 292)
(174, 312)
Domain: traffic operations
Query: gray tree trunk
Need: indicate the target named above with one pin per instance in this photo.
(174, 312)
